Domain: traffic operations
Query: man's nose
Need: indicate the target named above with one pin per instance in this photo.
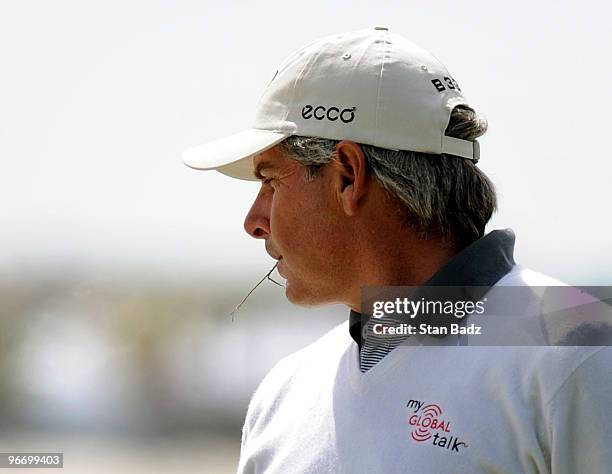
(257, 221)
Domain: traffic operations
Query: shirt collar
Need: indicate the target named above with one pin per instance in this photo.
(482, 263)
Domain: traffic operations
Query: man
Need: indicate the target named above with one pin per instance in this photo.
(366, 150)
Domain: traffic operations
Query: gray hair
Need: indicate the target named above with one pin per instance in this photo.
(443, 194)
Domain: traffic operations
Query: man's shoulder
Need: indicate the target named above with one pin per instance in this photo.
(306, 363)
(333, 341)
(523, 276)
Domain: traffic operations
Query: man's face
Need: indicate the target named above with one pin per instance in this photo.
(297, 218)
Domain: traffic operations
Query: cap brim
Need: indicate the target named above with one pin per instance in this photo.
(233, 155)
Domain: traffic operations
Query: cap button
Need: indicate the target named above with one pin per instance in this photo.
(381, 27)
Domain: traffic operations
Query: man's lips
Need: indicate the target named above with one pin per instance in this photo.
(273, 254)
(279, 269)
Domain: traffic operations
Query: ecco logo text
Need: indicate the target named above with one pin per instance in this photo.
(332, 114)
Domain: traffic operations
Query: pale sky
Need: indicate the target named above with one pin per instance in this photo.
(99, 98)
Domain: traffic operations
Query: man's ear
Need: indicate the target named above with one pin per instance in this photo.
(351, 176)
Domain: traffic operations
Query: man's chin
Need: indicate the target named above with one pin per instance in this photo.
(301, 296)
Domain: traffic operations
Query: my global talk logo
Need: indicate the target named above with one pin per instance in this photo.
(431, 426)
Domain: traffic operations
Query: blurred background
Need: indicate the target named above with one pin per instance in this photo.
(119, 266)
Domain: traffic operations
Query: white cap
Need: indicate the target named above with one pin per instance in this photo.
(369, 86)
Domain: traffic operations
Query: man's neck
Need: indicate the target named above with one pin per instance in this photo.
(400, 260)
